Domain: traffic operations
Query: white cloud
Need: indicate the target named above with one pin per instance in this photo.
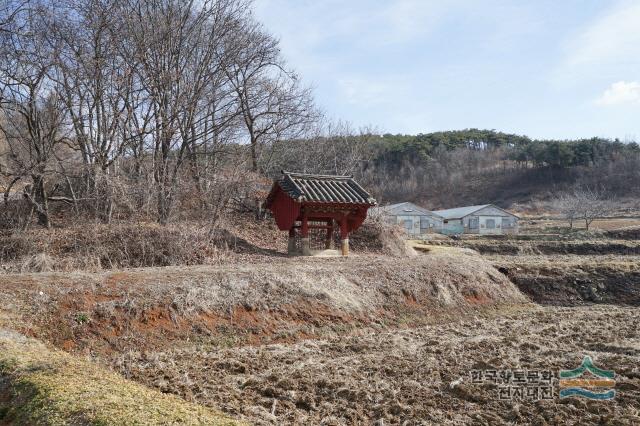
(621, 93)
(613, 40)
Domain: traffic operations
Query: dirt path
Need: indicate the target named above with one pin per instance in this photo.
(414, 376)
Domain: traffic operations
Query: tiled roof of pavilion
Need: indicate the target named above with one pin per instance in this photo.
(312, 188)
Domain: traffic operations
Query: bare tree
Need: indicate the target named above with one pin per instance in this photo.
(151, 97)
(346, 150)
(97, 85)
(274, 106)
(568, 205)
(9, 11)
(593, 204)
(32, 121)
(583, 203)
(329, 147)
(175, 44)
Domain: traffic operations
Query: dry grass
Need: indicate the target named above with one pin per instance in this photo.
(94, 247)
(376, 236)
(40, 386)
(264, 301)
(40, 262)
(111, 314)
(184, 330)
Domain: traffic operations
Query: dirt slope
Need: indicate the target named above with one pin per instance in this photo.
(575, 280)
(262, 302)
(491, 246)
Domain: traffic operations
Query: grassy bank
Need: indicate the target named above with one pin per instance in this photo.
(41, 386)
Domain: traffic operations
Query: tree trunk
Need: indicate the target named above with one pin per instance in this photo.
(27, 221)
(256, 170)
(41, 199)
(44, 215)
(37, 197)
(163, 206)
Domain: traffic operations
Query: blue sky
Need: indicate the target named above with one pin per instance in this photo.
(547, 69)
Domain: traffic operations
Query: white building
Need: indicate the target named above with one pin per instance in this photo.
(484, 219)
(415, 219)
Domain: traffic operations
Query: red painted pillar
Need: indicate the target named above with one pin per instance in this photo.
(304, 234)
(328, 244)
(344, 235)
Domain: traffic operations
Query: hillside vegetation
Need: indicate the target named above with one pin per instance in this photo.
(467, 167)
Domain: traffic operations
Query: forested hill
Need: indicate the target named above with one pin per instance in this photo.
(445, 169)
(563, 153)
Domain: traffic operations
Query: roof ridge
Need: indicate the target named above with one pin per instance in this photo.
(286, 173)
(465, 207)
(417, 208)
(463, 211)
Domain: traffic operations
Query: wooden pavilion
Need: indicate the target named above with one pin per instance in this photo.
(300, 202)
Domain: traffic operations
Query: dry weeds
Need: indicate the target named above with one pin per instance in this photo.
(40, 386)
(185, 330)
(94, 247)
(416, 376)
(257, 302)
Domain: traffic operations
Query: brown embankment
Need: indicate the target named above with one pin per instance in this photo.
(247, 303)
